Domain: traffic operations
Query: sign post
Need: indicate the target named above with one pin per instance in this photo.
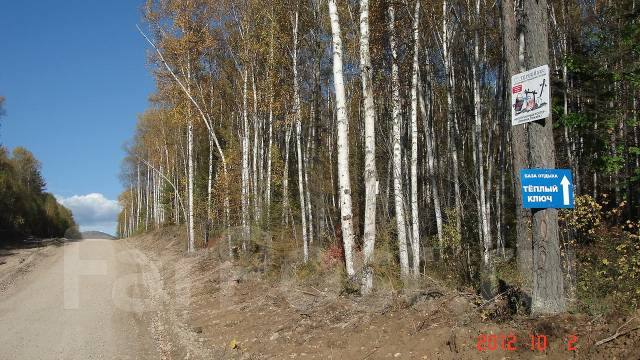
(547, 188)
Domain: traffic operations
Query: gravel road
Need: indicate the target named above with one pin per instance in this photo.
(72, 303)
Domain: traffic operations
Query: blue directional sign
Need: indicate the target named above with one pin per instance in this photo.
(546, 188)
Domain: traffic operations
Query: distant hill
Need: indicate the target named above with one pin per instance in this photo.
(97, 235)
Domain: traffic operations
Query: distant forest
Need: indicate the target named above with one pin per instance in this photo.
(25, 208)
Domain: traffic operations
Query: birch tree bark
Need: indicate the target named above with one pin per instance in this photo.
(451, 128)
(307, 155)
(245, 163)
(415, 220)
(192, 241)
(270, 134)
(298, 121)
(370, 180)
(485, 235)
(285, 175)
(210, 178)
(256, 146)
(397, 151)
(139, 198)
(342, 141)
(267, 193)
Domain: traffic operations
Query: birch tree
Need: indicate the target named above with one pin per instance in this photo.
(344, 182)
(415, 220)
(298, 123)
(245, 161)
(485, 234)
(371, 184)
(451, 128)
(398, 188)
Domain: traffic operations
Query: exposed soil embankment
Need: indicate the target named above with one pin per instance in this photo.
(212, 307)
(18, 258)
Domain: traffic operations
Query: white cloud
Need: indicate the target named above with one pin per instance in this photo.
(92, 211)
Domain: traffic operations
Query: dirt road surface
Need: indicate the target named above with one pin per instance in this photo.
(70, 302)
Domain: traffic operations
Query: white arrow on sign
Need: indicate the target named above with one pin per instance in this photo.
(565, 190)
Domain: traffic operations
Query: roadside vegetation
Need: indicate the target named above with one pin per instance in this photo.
(26, 209)
(372, 141)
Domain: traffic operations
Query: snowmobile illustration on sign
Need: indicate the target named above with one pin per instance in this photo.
(530, 95)
(528, 101)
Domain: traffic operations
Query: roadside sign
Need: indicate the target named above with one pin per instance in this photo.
(530, 100)
(547, 188)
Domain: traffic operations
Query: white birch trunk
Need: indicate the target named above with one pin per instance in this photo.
(254, 167)
(268, 181)
(342, 141)
(192, 242)
(451, 133)
(397, 152)
(298, 116)
(370, 181)
(147, 203)
(210, 178)
(245, 163)
(307, 155)
(270, 133)
(415, 220)
(285, 175)
(139, 199)
(477, 133)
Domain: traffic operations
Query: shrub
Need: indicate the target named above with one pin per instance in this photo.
(450, 235)
(584, 218)
(610, 270)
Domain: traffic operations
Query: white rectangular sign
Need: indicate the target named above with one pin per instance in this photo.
(530, 100)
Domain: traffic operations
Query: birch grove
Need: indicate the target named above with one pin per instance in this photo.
(393, 120)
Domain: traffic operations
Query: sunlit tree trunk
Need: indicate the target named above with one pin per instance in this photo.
(547, 282)
(245, 162)
(370, 180)
(210, 178)
(342, 141)
(451, 131)
(256, 145)
(307, 155)
(192, 241)
(268, 181)
(397, 151)
(139, 198)
(298, 122)
(415, 220)
(514, 63)
(483, 215)
(285, 175)
(267, 192)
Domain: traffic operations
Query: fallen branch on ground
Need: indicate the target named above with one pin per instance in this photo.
(307, 292)
(618, 333)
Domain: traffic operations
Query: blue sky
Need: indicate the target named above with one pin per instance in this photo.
(74, 76)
